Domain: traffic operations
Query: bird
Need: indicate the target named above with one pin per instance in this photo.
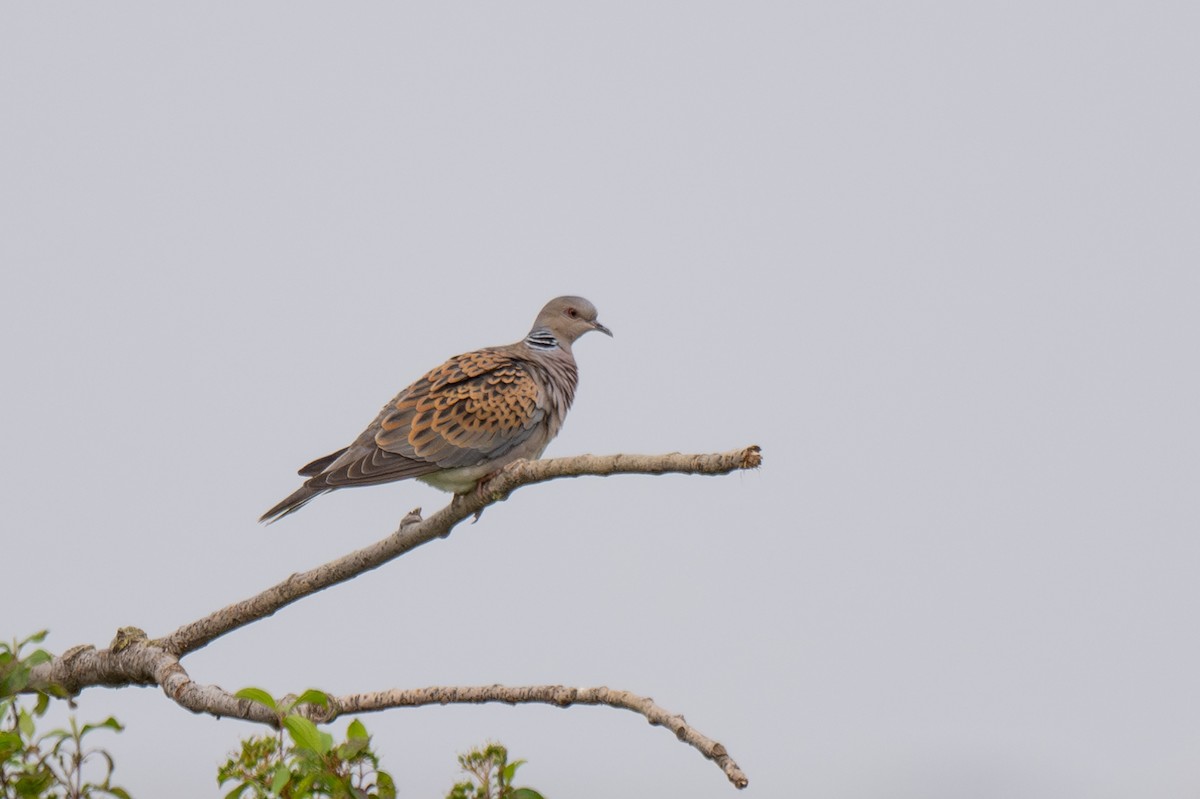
(466, 419)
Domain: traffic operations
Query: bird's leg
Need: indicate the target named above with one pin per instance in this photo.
(484, 484)
(478, 513)
(481, 492)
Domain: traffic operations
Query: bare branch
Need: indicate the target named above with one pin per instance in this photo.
(133, 659)
(557, 695)
(414, 531)
(141, 662)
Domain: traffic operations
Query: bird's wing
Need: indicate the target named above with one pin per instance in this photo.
(320, 464)
(472, 409)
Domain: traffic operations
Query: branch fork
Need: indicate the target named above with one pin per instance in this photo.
(134, 659)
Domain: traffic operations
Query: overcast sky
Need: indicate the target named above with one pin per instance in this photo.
(940, 260)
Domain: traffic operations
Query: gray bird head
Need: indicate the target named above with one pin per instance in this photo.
(568, 318)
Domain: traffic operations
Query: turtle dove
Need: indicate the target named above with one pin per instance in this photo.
(466, 419)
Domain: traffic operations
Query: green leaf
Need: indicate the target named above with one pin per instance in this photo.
(237, 792)
(109, 722)
(313, 697)
(36, 638)
(356, 730)
(352, 748)
(38, 657)
(461, 790)
(57, 691)
(10, 743)
(304, 786)
(282, 777)
(257, 695)
(14, 681)
(305, 734)
(34, 785)
(385, 786)
(25, 723)
(120, 793)
(508, 772)
(43, 702)
(525, 793)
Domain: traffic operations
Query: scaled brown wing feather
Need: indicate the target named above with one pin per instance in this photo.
(474, 408)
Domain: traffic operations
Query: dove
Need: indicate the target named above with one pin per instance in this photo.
(466, 419)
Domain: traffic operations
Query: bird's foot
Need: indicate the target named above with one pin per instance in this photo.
(481, 487)
(483, 491)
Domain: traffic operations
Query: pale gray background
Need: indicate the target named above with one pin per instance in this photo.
(939, 259)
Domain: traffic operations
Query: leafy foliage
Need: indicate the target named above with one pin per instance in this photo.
(53, 765)
(301, 761)
(492, 776)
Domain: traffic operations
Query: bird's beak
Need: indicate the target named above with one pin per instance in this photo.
(602, 329)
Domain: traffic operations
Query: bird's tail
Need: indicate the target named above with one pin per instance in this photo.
(295, 501)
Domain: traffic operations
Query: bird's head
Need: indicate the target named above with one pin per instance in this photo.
(568, 318)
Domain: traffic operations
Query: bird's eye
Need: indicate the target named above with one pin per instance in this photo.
(571, 312)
